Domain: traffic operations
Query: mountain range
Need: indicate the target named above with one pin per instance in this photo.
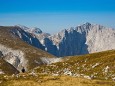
(83, 39)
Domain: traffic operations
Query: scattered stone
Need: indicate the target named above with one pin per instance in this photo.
(95, 65)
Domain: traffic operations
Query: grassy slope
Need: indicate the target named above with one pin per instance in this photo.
(97, 66)
(11, 41)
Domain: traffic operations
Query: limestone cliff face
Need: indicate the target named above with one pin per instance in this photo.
(83, 39)
(100, 39)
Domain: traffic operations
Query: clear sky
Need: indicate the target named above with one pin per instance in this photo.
(54, 15)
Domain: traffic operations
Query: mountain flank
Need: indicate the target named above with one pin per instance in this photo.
(19, 53)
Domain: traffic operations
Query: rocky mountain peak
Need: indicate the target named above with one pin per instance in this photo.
(36, 30)
(87, 24)
(22, 27)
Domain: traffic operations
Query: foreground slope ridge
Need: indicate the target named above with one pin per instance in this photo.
(92, 66)
(83, 39)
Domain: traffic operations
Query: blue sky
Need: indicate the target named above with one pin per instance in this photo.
(54, 15)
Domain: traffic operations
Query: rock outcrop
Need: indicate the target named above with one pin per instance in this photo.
(7, 68)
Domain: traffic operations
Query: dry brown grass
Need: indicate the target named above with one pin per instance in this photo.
(58, 81)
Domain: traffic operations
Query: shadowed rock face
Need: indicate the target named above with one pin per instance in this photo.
(50, 47)
(1, 54)
(73, 43)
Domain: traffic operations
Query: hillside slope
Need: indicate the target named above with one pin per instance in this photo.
(92, 66)
(19, 53)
